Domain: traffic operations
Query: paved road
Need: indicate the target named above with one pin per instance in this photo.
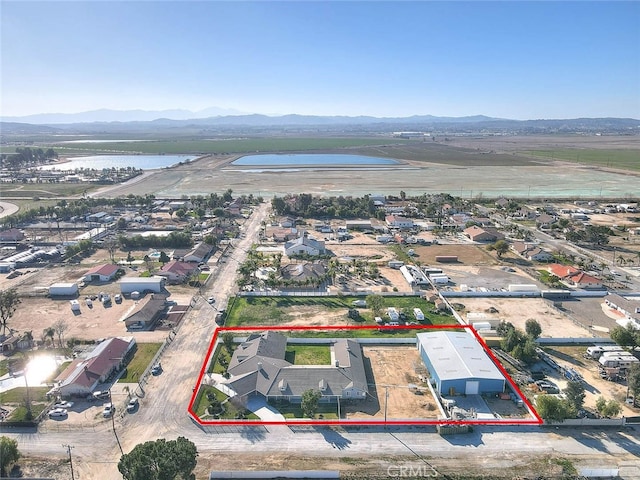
(163, 414)
(7, 209)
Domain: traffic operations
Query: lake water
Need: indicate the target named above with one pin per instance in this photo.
(275, 160)
(145, 162)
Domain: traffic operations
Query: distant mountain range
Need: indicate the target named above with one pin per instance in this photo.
(107, 115)
(106, 121)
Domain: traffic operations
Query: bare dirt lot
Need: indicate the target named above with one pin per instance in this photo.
(519, 310)
(467, 255)
(38, 312)
(393, 368)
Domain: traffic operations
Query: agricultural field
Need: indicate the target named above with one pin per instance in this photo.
(609, 158)
(219, 145)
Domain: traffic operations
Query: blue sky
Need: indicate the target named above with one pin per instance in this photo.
(505, 59)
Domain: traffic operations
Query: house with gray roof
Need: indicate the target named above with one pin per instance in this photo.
(258, 367)
(304, 245)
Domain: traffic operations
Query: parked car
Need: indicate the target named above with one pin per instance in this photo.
(57, 412)
(101, 395)
(132, 405)
(108, 410)
(211, 300)
(118, 298)
(157, 369)
(63, 404)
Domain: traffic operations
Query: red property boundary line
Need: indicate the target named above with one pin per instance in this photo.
(248, 423)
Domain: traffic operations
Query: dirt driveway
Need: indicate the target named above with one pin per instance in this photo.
(393, 368)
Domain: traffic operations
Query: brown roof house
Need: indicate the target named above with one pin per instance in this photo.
(83, 375)
(177, 272)
(147, 312)
(479, 234)
(258, 367)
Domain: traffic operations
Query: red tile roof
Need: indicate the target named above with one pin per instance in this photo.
(562, 271)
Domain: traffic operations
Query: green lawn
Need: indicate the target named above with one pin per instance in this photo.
(140, 361)
(293, 410)
(614, 158)
(4, 367)
(231, 145)
(220, 359)
(308, 354)
(230, 410)
(267, 311)
(46, 190)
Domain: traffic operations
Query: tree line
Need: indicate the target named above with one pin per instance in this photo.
(26, 157)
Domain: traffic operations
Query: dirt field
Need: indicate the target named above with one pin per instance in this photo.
(467, 255)
(462, 173)
(38, 311)
(393, 368)
(519, 310)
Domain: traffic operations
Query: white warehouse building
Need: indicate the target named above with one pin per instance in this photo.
(153, 284)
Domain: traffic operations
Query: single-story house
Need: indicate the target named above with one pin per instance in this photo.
(258, 367)
(279, 234)
(147, 312)
(83, 375)
(304, 245)
(177, 272)
(630, 308)
(531, 252)
(199, 253)
(300, 272)
(458, 364)
(101, 273)
(235, 207)
(479, 234)
(584, 280)
(575, 277)
(544, 220)
(562, 271)
(398, 221)
(287, 222)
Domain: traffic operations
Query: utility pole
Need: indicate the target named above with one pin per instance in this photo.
(69, 447)
(113, 422)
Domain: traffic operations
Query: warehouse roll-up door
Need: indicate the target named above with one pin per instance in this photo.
(472, 387)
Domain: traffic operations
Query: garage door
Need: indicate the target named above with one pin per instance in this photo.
(472, 387)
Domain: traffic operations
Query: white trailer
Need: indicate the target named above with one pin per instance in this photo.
(418, 314)
(393, 314)
(439, 279)
(63, 289)
(619, 362)
(395, 264)
(75, 305)
(597, 350)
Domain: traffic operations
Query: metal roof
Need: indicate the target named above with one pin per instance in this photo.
(457, 355)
